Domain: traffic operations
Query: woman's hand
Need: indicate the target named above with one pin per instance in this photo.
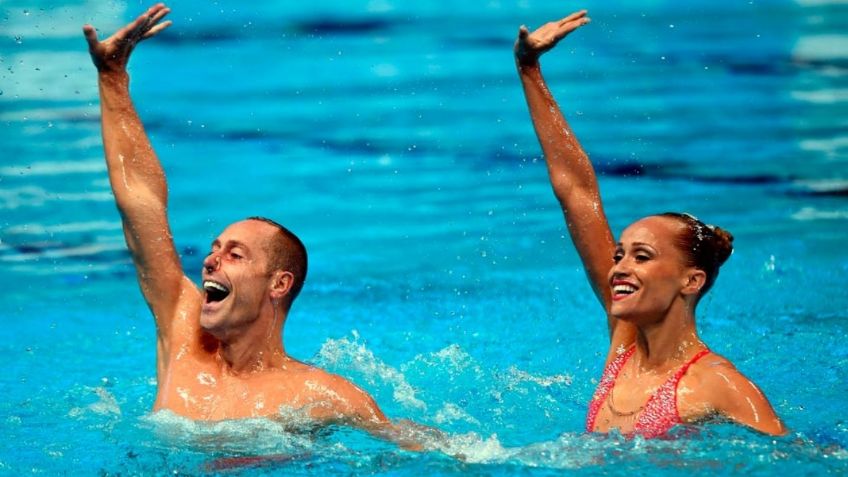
(530, 46)
(112, 54)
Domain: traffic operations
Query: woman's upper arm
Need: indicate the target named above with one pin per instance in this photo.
(735, 397)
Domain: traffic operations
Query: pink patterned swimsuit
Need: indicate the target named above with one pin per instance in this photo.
(660, 412)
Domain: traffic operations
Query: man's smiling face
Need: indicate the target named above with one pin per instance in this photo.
(236, 278)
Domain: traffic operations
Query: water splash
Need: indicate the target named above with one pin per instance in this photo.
(356, 356)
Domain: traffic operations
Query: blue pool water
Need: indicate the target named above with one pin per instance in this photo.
(393, 138)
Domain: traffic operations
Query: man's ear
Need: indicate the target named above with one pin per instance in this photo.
(281, 284)
(694, 281)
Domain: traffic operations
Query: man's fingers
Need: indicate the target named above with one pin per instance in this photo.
(143, 22)
(523, 32)
(155, 30)
(158, 15)
(574, 16)
(569, 27)
(90, 35)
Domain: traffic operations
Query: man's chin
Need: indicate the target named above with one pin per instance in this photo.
(210, 322)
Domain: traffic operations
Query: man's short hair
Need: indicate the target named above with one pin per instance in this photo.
(287, 253)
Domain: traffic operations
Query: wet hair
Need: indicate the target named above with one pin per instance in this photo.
(706, 247)
(287, 253)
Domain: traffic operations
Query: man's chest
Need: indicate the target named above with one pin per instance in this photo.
(201, 391)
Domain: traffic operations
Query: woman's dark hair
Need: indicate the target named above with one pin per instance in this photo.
(706, 247)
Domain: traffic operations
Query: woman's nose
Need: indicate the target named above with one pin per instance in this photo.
(621, 268)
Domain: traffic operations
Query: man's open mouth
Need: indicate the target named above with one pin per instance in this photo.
(215, 291)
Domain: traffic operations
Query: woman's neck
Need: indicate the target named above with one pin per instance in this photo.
(668, 341)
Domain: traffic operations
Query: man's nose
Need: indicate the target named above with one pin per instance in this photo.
(212, 261)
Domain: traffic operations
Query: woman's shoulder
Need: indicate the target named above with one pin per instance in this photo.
(713, 387)
(711, 377)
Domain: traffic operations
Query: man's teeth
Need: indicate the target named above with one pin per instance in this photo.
(627, 289)
(215, 285)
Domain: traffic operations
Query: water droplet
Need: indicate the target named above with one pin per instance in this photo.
(26, 13)
(19, 39)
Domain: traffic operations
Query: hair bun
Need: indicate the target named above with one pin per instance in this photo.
(723, 243)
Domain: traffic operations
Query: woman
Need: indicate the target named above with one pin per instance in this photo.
(658, 371)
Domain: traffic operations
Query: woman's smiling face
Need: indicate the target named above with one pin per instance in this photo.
(649, 272)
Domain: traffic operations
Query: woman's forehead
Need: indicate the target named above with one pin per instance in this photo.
(656, 231)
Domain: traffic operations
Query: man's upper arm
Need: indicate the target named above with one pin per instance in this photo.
(158, 268)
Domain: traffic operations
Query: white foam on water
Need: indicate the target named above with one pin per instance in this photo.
(812, 213)
(77, 251)
(70, 269)
(54, 168)
(452, 359)
(816, 3)
(451, 413)
(821, 47)
(63, 21)
(70, 227)
(32, 196)
(830, 146)
(822, 96)
(59, 114)
(517, 376)
(357, 356)
(106, 405)
(287, 432)
(824, 185)
(50, 76)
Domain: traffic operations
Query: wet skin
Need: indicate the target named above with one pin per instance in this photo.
(643, 282)
(196, 373)
(220, 352)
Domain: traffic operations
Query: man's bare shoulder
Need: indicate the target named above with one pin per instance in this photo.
(328, 395)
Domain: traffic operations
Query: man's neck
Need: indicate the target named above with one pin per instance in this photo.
(259, 348)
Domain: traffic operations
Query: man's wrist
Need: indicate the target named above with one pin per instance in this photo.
(114, 77)
(527, 66)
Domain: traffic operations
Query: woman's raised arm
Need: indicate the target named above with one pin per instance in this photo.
(571, 173)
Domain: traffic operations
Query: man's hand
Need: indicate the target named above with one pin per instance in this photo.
(113, 53)
(530, 46)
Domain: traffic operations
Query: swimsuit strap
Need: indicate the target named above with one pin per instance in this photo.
(605, 385)
(661, 413)
(680, 372)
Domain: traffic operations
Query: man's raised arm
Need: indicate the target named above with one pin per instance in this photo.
(136, 177)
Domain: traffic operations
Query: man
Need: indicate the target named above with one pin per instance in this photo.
(220, 353)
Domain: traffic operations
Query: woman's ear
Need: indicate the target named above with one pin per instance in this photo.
(281, 284)
(694, 281)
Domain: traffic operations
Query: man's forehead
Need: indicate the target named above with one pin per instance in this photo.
(246, 232)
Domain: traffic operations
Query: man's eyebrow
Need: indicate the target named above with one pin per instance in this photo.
(231, 244)
(236, 243)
